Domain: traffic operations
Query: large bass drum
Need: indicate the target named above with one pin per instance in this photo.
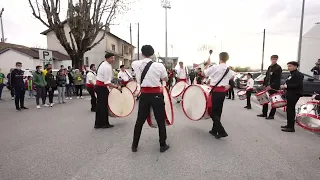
(308, 116)
(196, 103)
(178, 89)
(168, 111)
(120, 103)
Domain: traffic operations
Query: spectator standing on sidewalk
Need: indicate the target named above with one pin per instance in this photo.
(78, 82)
(40, 83)
(61, 82)
(2, 78)
(51, 86)
(30, 86)
(18, 86)
(69, 81)
(9, 85)
(316, 70)
(91, 81)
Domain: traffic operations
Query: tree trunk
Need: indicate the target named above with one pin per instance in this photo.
(77, 61)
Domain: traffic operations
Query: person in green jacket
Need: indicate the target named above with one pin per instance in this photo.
(40, 83)
(78, 82)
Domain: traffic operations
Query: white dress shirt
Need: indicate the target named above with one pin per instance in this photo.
(250, 83)
(216, 72)
(91, 76)
(124, 75)
(156, 72)
(181, 73)
(105, 73)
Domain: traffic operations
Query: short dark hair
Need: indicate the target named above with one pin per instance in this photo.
(275, 56)
(108, 55)
(122, 66)
(295, 63)
(92, 65)
(249, 74)
(18, 63)
(38, 67)
(224, 56)
(147, 50)
(61, 65)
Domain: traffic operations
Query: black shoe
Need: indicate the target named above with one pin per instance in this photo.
(134, 149)
(248, 107)
(232, 98)
(178, 101)
(261, 115)
(97, 127)
(284, 126)
(269, 117)
(164, 148)
(24, 107)
(92, 110)
(107, 126)
(18, 109)
(221, 135)
(213, 133)
(288, 129)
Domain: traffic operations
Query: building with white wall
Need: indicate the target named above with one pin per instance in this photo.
(310, 51)
(111, 43)
(29, 57)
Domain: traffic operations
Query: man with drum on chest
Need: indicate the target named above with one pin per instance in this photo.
(103, 81)
(181, 73)
(124, 76)
(149, 74)
(219, 81)
(272, 81)
(294, 88)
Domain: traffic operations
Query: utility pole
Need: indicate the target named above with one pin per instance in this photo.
(131, 42)
(166, 6)
(138, 44)
(263, 45)
(301, 31)
(2, 31)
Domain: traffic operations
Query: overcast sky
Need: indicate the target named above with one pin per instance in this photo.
(234, 26)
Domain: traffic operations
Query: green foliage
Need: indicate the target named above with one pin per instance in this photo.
(241, 69)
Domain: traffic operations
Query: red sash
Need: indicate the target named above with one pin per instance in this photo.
(100, 83)
(90, 86)
(219, 89)
(184, 80)
(151, 90)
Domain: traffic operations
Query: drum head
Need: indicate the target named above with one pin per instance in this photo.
(240, 93)
(121, 104)
(194, 104)
(178, 89)
(308, 116)
(132, 85)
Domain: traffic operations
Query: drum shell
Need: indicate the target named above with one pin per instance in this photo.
(277, 100)
(308, 116)
(178, 96)
(242, 94)
(263, 97)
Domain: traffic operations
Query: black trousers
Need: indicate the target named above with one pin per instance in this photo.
(217, 106)
(265, 107)
(93, 98)
(51, 92)
(192, 80)
(41, 93)
(102, 116)
(78, 90)
(292, 100)
(170, 83)
(156, 102)
(19, 97)
(248, 93)
(231, 93)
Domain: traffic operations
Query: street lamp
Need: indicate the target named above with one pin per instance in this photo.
(166, 5)
(301, 31)
(2, 32)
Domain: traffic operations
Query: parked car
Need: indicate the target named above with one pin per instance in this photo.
(244, 79)
(310, 84)
(237, 79)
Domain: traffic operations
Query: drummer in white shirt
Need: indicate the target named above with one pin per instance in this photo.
(124, 76)
(104, 77)
(181, 73)
(249, 89)
(215, 74)
(91, 81)
(151, 96)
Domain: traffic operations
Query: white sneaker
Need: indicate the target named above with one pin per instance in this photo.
(78, 97)
(70, 98)
(12, 98)
(67, 98)
(81, 97)
(38, 107)
(51, 104)
(45, 105)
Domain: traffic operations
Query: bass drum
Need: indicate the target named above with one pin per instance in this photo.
(196, 104)
(120, 103)
(178, 89)
(133, 86)
(308, 116)
(168, 111)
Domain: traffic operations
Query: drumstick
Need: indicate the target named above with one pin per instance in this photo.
(210, 52)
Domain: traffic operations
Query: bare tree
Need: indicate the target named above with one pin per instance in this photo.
(85, 19)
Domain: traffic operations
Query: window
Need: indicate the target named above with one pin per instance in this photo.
(113, 47)
(285, 75)
(87, 61)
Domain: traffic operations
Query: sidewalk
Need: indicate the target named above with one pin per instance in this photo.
(281, 111)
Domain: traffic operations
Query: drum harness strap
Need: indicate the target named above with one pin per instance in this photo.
(224, 75)
(145, 70)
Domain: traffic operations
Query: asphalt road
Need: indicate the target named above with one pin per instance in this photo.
(60, 143)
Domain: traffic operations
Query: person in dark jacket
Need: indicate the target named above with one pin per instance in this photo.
(316, 70)
(17, 84)
(231, 91)
(272, 81)
(51, 85)
(9, 86)
(192, 75)
(294, 89)
(61, 82)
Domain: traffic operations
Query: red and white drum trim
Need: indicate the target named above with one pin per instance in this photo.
(277, 100)
(308, 116)
(178, 89)
(132, 85)
(168, 111)
(242, 94)
(263, 97)
(120, 103)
